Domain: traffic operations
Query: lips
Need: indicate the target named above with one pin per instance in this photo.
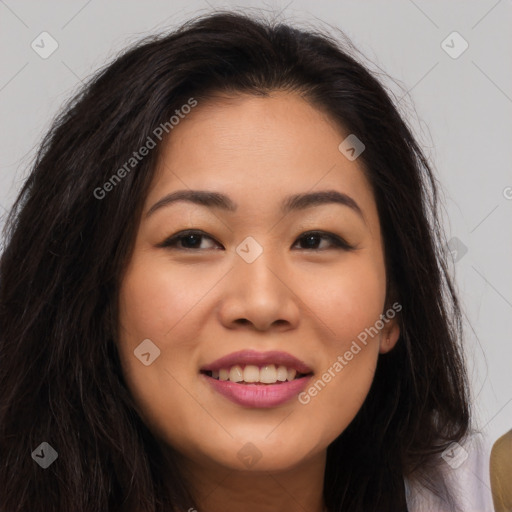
(260, 359)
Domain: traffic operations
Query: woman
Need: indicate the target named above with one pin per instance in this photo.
(223, 288)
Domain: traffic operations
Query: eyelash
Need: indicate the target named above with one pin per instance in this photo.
(336, 241)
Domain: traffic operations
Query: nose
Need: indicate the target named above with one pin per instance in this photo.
(260, 295)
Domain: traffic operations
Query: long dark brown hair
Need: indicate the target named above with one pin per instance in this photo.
(65, 251)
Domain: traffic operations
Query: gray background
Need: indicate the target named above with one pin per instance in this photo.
(460, 109)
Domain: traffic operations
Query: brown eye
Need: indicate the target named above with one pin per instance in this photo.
(192, 240)
(186, 240)
(312, 239)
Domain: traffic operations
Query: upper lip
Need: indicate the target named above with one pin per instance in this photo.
(244, 357)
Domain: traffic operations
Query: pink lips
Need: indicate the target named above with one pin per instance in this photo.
(258, 395)
(244, 357)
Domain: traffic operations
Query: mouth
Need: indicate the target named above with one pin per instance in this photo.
(255, 379)
(250, 366)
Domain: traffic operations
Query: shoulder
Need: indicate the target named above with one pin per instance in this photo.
(465, 471)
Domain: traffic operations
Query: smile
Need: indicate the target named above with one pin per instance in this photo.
(254, 379)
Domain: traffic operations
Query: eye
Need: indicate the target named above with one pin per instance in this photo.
(312, 238)
(190, 239)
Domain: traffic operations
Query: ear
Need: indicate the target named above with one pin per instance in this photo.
(389, 336)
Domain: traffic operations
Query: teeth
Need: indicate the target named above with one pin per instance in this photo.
(282, 373)
(236, 374)
(251, 373)
(268, 374)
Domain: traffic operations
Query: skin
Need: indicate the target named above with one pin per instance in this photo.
(203, 303)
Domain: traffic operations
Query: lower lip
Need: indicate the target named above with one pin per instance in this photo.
(259, 395)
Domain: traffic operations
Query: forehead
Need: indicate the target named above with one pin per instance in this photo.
(257, 150)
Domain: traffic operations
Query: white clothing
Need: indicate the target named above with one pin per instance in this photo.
(466, 471)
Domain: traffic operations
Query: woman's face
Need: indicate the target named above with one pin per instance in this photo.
(252, 286)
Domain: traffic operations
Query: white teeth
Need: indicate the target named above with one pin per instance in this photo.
(251, 373)
(282, 373)
(236, 374)
(268, 374)
(291, 373)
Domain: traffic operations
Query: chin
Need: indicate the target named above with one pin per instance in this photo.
(257, 458)
(251, 453)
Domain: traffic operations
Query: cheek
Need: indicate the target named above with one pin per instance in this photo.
(349, 303)
(337, 395)
(157, 303)
(155, 298)
(348, 299)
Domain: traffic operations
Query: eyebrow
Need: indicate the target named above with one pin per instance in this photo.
(289, 204)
